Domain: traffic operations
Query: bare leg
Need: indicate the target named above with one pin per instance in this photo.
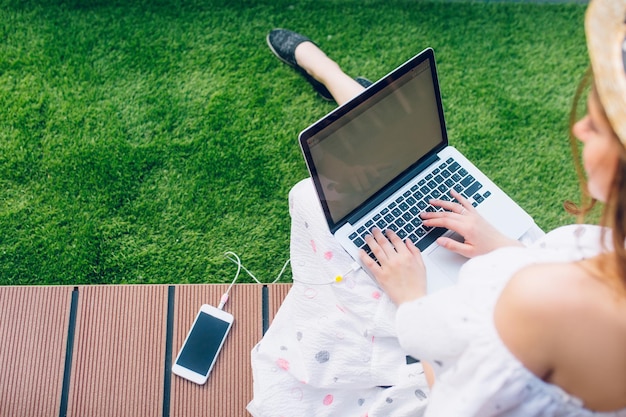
(315, 62)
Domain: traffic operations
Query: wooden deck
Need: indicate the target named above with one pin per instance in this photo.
(107, 350)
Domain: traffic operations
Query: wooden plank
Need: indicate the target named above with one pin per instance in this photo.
(118, 363)
(33, 331)
(119, 353)
(229, 387)
(277, 293)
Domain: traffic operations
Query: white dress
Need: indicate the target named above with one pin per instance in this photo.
(331, 349)
(340, 348)
(453, 329)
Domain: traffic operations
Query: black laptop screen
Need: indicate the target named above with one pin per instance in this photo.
(362, 151)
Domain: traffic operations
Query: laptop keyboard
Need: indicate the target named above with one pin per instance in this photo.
(402, 214)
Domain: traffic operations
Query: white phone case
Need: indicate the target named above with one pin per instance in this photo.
(203, 344)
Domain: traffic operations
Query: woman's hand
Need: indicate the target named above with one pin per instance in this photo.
(462, 218)
(400, 269)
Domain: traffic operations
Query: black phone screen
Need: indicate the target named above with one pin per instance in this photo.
(203, 343)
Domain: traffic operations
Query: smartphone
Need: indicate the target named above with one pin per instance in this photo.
(203, 343)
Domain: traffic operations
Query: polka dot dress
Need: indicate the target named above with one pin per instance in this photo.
(332, 348)
(338, 347)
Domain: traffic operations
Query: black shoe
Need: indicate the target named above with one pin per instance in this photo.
(283, 44)
(363, 81)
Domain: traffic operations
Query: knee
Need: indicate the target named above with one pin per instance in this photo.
(301, 195)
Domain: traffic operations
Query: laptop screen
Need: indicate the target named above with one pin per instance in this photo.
(358, 153)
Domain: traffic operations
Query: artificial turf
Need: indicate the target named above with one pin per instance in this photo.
(140, 140)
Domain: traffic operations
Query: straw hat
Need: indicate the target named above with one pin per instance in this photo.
(605, 26)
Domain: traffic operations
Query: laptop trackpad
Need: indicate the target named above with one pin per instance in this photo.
(449, 262)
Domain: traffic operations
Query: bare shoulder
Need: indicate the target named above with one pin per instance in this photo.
(543, 288)
(534, 308)
(567, 327)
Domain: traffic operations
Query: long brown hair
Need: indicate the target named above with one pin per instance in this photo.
(611, 264)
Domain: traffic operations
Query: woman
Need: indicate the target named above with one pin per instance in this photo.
(527, 331)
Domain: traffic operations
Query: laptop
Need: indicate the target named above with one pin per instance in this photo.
(378, 159)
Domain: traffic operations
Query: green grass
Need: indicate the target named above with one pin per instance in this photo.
(139, 141)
